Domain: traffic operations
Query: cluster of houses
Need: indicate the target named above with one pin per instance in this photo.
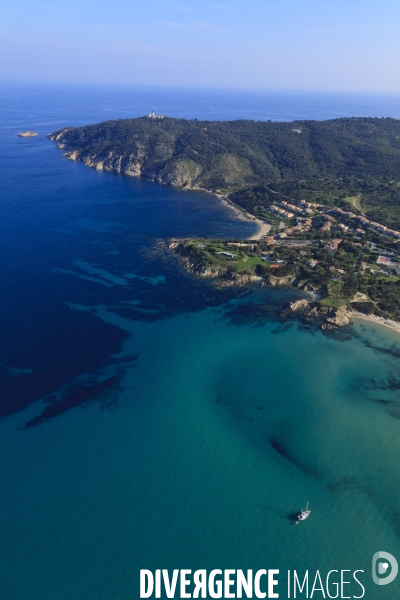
(280, 211)
(326, 227)
(303, 210)
(336, 220)
(288, 210)
(308, 209)
(366, 222)
(333, 245)
(312, 205)
(303, 225)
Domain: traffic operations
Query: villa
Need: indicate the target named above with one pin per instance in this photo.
(227, 254)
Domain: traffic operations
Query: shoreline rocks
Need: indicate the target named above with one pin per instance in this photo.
(331, 318)
(299, 305)
(306, 311)
(24, 134)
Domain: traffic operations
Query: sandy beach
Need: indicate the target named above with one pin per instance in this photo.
(263, 227)
(393, 325)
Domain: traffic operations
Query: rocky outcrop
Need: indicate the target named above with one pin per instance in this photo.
(71, 155)
(280, 281)
(160, 166)
(329, 318)
(240, 278)
(201, 270)
(178, 173)
(222, 273)
(306, 311)
(119, 164)
(298, 305)
(341, 318)
(182, 173)
(27, 134)
(55, 137)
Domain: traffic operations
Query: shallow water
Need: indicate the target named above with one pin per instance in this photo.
(152, 421)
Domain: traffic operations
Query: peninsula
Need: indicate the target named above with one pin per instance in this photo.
(327, 193)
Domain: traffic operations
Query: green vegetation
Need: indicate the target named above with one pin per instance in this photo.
(332, 277)
(341, 162)
(206, 254)
(351, 163)
(378, 198)
(334, 297)
(355, 203)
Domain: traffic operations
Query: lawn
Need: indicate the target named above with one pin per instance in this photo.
(334, 299)
(355, 202)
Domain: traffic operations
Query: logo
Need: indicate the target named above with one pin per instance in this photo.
(381, 561)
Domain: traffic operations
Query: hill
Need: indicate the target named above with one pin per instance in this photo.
(353, 161)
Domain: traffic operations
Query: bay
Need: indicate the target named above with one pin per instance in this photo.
(150, 420)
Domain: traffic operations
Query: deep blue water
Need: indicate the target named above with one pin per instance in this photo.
(50, 108)
(149, 419)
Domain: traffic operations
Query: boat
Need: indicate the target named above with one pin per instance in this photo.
(304, 514)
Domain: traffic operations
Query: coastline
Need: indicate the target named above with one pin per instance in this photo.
(263, 227)
(263, 230)
(388, 323)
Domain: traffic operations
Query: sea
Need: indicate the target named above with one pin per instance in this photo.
(152, 420)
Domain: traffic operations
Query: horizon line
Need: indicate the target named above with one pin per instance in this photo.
(206, 88)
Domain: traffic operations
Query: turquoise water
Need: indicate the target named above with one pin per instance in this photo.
(151, 421)
(182, 474)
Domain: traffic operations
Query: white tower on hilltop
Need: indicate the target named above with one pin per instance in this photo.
(152, 115)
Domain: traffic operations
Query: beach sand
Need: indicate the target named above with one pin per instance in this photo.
(263, 227)
(393, 325)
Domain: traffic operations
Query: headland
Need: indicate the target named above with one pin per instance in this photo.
(325, 196)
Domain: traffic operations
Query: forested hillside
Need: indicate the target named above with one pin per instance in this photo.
(351, 158)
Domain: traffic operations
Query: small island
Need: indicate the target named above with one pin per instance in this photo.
(27, 134)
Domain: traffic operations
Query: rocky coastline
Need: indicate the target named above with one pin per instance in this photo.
(132, 164)
(328, 318)
(158, 160)
(306, 310)
(220, 274)
(180, 175)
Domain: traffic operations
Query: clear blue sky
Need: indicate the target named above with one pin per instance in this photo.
(285, 44)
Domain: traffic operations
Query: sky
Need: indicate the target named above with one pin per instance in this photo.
(343, 45)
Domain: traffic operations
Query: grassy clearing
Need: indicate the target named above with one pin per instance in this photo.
(209, 255)
(385, 278)
(334, 298)
(250, 261)
(355, 202)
